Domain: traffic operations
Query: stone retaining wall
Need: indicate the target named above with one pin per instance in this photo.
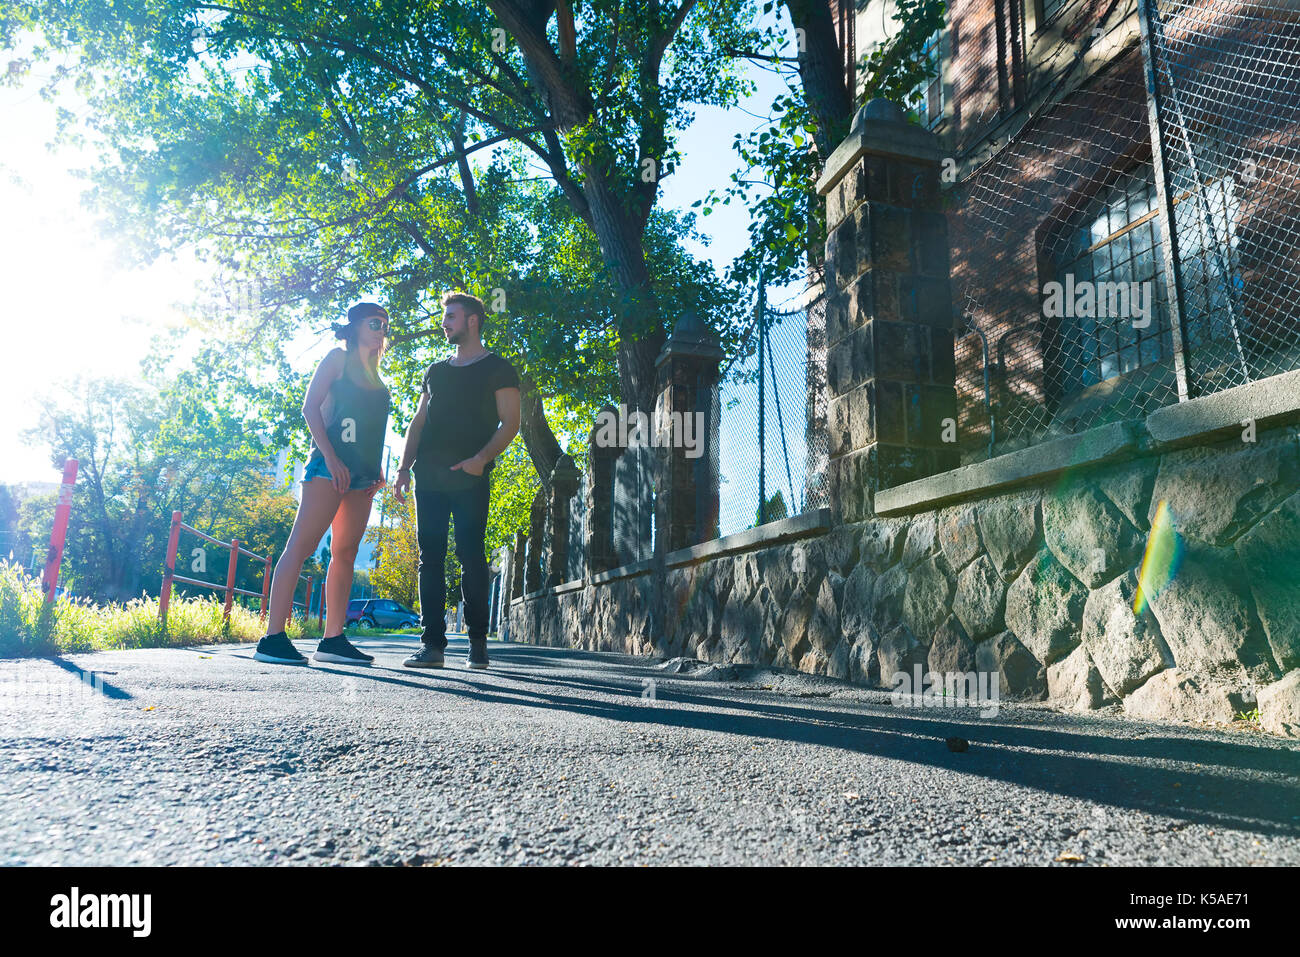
(1036, 585)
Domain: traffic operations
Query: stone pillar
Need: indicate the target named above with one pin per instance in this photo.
(889, 323)
(518, 563)
(536, 546)
(633, 500)
(564, 485)
(505, 582)
(601, 456)
(686, 480)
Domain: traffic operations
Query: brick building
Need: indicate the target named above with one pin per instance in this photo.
(1043, 112)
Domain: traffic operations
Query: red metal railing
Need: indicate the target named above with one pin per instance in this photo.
(54, 557)
(170, 576)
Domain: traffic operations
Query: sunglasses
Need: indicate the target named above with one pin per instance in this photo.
(377, 323)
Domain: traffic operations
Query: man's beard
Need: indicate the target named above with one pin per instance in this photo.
(454, 337)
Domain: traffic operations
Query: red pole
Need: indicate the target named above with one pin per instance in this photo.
(266, 586)
(54, 557)
(320, 609)
(230, 578)
(169, 568)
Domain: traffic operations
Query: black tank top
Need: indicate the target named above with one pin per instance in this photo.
(358, 424)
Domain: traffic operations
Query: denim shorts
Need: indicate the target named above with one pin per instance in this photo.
(316, 467)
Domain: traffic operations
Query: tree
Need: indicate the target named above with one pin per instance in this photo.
(146, 450)
(784, 160)
(325, 149)
(398, 552)
(261, 518)
(32, 534)
(775, 511)
(10, 502)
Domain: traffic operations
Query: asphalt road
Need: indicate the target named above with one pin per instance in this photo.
(204, 756)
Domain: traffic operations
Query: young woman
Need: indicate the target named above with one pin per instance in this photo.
(346, 409)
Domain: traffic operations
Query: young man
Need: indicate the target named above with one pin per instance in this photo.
(468, 414)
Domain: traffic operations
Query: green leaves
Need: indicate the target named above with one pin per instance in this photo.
(783, 159)
(895, 68)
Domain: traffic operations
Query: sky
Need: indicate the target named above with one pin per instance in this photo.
(77, 310)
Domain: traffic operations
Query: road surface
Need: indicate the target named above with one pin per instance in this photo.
(204, 756)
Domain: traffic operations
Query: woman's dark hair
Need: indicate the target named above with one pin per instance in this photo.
(356, 315)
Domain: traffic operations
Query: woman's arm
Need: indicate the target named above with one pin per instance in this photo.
(327, 373)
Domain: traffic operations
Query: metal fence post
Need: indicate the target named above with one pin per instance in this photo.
(266, 587)
(230, 579)
(58, 534)
(1168, 225)
(169, 569)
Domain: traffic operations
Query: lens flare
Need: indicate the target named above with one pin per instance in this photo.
(1160, 563)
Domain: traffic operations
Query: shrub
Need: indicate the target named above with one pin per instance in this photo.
(30, 627)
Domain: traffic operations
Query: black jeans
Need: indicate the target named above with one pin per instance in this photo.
(468, 508)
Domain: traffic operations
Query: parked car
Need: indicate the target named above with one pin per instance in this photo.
(381, 613)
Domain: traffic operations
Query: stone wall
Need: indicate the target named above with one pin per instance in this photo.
(1034, 584)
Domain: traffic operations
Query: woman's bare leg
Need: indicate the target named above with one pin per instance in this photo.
(315, 512)
(349, 525)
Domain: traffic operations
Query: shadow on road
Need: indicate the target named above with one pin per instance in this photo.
(92, 679)
(1190, 782)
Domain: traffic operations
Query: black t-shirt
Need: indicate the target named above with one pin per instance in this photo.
(461, 419)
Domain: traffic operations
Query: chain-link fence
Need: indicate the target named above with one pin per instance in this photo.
(1084, 299)
(1059, 265)
(767, 442)
(772, 439)
(1227, 91)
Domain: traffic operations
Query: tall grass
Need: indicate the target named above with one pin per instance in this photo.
(30, 627)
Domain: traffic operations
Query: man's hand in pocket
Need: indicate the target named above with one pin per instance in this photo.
(474, 466)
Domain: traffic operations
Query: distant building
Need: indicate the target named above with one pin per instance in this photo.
(283, 472)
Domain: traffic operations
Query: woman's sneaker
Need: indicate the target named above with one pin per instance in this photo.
(341, 651)
(278, 650)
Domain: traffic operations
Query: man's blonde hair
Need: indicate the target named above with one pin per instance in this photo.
(472, 305)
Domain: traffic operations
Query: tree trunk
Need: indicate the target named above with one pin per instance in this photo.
(619, 229)
(641, 334)
(821, 71)
(543, 448)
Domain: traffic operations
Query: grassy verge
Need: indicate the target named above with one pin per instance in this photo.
(30, 627)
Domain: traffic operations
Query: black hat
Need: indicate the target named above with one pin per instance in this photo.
(364, 310)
